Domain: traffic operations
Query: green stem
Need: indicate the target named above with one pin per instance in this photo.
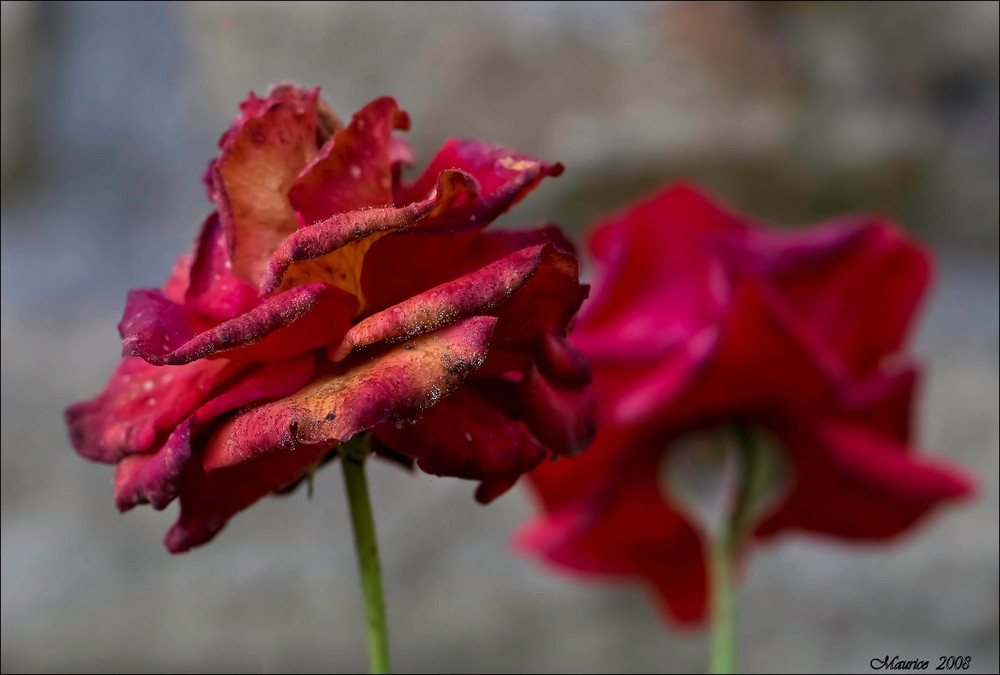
(725, 550)
(353, 454)
(723, 609)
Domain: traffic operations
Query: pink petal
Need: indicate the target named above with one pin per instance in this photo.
(156, 478)
(333, 250)
(262, 154)
(303, 318)
(214, 292)
(393, 387)
(353, 171)
(498, 170)
(139, 402)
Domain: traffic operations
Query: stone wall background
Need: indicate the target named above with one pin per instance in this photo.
(793, 112)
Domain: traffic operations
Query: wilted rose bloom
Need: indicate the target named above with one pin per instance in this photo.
(326, 297)
(701, 319)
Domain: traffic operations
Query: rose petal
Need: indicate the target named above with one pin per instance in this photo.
(393, 387)
(547, 302)
(476, 293)
(262, 154)
(619, 525)
(354, 170)
(214, 292)
(467, 437)
(333, 250)
(658, 281)
(751, 361)
(303, 318)
(156, 478)
(856, 283)
(491, 488)
(854, 483)
(560, 361)
(139, 402)
(210, 499)
(883, 403)
(562, 418)
(403, 263)
(505, 176)
(177, 283)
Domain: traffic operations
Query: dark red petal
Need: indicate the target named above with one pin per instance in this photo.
(607, 517)
(855, 283)
(490, 489)
(546, 304)
(214, 292)
(883, 403)
(403, 263)
(139, 401)
(393, 387)
(658, 283)
(333, 250)
(855, 483)
(478, 292)
(262, 154)
(505, 176)
(651, 392)
(562, 418)
(353, 171)
(491, 245)
(560, 361)
(753, 360)
(303, 318)
(209, 499)
(467, 437)
(156, 478)
(326, 316)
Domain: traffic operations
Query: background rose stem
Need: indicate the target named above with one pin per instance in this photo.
(724, 552)
(723, 655)
(353, 454)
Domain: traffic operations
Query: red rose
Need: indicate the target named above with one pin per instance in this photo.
(326, 297)
(702, 318)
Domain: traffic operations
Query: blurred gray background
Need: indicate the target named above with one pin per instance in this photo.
(791, 112)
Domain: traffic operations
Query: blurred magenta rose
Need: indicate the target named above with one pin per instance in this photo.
(325, 297)
(701, 319)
